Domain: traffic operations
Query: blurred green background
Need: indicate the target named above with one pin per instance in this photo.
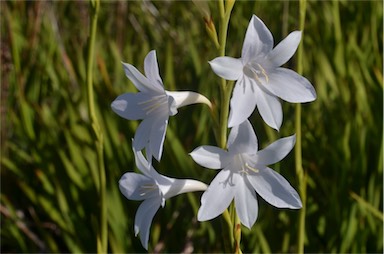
(49, 181)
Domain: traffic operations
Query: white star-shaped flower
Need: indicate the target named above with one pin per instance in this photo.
(154, 189)
(260, 79)
(153, 104)
(245, 172)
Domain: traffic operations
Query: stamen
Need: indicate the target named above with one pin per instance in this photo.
(147, 188)
(153, 103)
(255, 75)
(250, 168)
(263, 72)
(243, 170)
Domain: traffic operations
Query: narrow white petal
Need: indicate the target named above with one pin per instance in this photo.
(218, 196)
(149, 155)
(151, 70)
(187, 98)
(285, 49)
(210, 157)
(269, 108)
(242, 139)
(142, 134)
(157, 136)
(243, 101)
(144, 217)
(276, 151)
(138, 79)
(130, 105)
(274, 189)
(131, 185)
(258, 40)
(144, 166)
(228, 68)
(246, 203)
(290, 86)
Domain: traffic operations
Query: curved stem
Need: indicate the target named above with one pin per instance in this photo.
(102, 234)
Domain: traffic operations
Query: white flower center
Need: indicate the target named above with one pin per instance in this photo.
(158, 102)
(145, 189)
(244, 166)
(256, 71)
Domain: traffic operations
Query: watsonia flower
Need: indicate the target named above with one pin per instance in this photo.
(245, 172)
(153, 189)
(260, 79)
(153, 104)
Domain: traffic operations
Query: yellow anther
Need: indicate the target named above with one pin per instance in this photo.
(264, 72)
(146, 188)
(252, 169)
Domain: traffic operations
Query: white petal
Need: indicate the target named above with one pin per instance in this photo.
(246, 203)
(143, 165)
(228, 68)
(210, 157)
(290, 86)
(129, 105)
(151, 70)
(242, 139)
(274, 189)
(131, 184)
(269, 108)
(142, 134)
(157, 136)
(258, 40)
(243, 101)
(217, 197)
(138, 79)
(285, 49)
(149, 154)
(187, 98)
(276, 151)
(144, 217)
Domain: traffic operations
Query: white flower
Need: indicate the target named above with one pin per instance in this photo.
(152, 104)
(245, 172)
(260, 79)
(154, 189)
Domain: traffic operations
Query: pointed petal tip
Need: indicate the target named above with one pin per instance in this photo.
(119, 105)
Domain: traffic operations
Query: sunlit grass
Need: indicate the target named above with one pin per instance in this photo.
(49, 174)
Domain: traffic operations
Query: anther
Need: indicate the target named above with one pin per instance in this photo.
(263, 72)
(250, 168)
(158, 100)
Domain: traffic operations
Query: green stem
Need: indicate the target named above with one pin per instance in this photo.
(102, 234)
(225, 93)
(298, 149)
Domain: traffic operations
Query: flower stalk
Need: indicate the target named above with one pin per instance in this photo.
(301, 174)
(102, 234)
(225, 94)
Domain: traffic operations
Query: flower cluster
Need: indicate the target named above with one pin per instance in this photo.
(244, 171)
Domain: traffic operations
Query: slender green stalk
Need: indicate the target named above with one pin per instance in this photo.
(102, 234)
(298, 152)
(225, 92)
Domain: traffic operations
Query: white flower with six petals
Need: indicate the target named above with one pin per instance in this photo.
(154, 189)
(245, 172)
(260, 79)
(153, 104)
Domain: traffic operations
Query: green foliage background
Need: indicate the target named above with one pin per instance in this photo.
(49, 181)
